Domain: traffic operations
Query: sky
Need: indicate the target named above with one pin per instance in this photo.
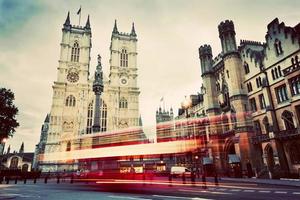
(169, 34)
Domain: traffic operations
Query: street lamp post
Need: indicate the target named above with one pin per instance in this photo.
(197, 166)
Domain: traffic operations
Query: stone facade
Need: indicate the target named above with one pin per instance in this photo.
(73, 104)
(17, 160)
(249, 107)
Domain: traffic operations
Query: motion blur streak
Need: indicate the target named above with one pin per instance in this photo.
(128, 150)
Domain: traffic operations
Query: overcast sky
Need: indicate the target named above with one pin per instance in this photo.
(169, 35)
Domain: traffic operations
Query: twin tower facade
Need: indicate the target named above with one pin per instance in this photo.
(74, 111)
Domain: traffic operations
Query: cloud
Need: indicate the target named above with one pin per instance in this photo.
(169, 35)
(15, 13)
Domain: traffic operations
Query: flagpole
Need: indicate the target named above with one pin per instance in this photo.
(79, 15)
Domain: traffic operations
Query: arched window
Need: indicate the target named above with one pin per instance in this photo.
(248, 87)
(266, 125)
(297, 61)
(273, 75)
(14, 163)
(233, 117)
(257, 127)
(123, 103)
(124, 58)
(288, 120)
(75, 52)
(70, 101)
(103, 120)
(295, 153)
(89, 118)
(68, 146)
(260, 82)
(25, 167)
(293, 62)
(278, 47)
(279, 71)
(225, 123)
(246, 66)
(276, 73)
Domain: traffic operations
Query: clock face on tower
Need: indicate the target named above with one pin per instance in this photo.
(72, 76)
(123, 81)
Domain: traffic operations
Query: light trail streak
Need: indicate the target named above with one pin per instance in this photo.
(127, 150)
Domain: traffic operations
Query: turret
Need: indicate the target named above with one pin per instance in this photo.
(227, 36)
(67, 24)
(209, 79)
(205, 55)
(87, 24)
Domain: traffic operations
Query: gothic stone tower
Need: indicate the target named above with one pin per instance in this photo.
(70, 90)
(210, 101)
(123, 90)
(234, 77)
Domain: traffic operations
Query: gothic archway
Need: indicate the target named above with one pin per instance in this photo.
(257, 127)
(229, 148)
(25, 167)
(295, 153)
(14, 163)
(266, 124)
(269, 154)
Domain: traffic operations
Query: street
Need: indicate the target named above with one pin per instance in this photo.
(139, 190)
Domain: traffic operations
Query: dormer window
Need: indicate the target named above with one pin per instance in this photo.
(278, 47)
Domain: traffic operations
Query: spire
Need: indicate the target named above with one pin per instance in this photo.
(140, 121)
(133, 31)
(87, 25)
(171, 111)
(8, 150)
(115, 30)
(159, 109)
(22, 148)
(47, 119)
(67, 22)
(98, 82)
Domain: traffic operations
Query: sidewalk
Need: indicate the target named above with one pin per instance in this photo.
(286, 182)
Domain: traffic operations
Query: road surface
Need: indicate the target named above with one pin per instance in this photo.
(139, 190)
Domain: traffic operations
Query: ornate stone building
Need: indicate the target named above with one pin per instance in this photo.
(76, 109)
(249, 110)
(17, 160)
